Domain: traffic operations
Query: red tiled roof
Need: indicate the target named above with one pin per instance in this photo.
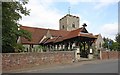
(79, 32)
(90, 35)
(56, 33)
(53, 40)
(59, 35)
(60, 39)
(72, 34)
(38, 33)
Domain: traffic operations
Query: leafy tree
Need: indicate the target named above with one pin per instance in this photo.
(115, 46)
(11, 14)
(105, 44)
(108, 43)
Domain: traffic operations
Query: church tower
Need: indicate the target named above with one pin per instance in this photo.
(69, 22)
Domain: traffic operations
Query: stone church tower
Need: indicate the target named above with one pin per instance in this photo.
(69, 22)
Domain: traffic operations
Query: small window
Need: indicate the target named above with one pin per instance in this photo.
(73, 25)
(63, 27)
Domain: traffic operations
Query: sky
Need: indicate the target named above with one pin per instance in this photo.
(101, 16)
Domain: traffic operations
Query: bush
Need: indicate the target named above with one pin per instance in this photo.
(19, 48)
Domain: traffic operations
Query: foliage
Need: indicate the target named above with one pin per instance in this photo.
(40, 48)
(108, 43)
(114, 45)
(11, 14)
(105, 44)
(25, 34)
(19, 48)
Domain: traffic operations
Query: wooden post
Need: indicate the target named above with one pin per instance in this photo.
(30, 49)
(61, 46)
(88, 47)
(84, 45)
(71, 46)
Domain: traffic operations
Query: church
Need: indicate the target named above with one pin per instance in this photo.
(68, 38)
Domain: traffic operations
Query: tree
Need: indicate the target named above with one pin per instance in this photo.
(108, 43)
(115, 46)
(11, 14)
(105, 44)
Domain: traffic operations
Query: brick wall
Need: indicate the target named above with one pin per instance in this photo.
(110, 54)
(13, 61)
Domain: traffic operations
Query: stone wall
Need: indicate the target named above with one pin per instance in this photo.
(13, 61)
(110, 54)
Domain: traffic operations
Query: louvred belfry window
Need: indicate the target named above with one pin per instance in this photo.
(63, 27)
(73, 25)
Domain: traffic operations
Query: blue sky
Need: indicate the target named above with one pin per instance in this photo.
(101, 17)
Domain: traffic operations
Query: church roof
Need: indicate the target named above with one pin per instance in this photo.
(39, 33)
(36, 33)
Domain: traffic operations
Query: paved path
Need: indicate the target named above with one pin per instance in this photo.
(104, 66)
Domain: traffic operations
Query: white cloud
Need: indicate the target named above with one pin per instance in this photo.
(104, 3)
(41, 15)
(99, 3)
(109, 30)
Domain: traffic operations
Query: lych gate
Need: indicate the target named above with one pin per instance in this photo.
(81, 43)
(78, 39)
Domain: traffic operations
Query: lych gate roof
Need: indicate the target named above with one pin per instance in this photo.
(72, 34)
